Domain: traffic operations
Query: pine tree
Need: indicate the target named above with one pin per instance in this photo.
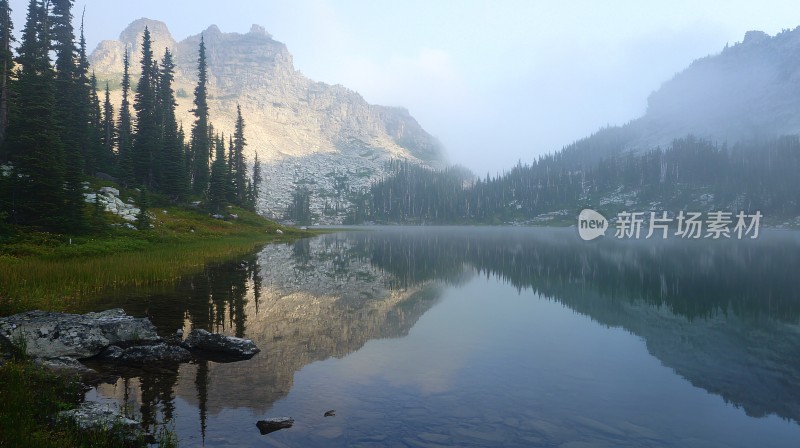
(96, 158)
(109, 131)
(6, 64)
(201, 141)
(254, 185)
(174, 179)
(217, 189)
(146, 141)
(143, 217)
(102, 157)
(37, 195)
(239, 160)
(125, 130)
(71, 110)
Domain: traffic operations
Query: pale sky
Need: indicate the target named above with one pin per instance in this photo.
(495, 80)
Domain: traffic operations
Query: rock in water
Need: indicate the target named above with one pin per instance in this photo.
(331, 413)
(228, 345)
(92, 416)
(144, 354)
(273, 424)
(53, 335)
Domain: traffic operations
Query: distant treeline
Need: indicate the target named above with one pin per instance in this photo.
(56, 132)
(691, 172)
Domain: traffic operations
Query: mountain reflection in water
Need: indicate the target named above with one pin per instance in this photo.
(722, 314)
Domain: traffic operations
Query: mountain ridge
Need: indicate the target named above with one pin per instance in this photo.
(292, 122)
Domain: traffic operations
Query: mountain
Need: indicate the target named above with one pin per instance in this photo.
(304, 131)
(749, 91)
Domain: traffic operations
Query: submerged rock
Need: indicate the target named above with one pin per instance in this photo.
(53, 335)
(92, 416)
(273, 424)
(227, 345)
(141, 354)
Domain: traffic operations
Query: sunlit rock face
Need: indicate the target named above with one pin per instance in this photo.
(292, 121)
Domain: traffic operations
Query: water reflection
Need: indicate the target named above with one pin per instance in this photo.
(723, 315)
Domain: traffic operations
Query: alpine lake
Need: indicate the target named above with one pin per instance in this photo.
(483, 337)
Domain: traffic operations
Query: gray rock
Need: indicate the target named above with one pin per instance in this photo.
(92, 416)
(110, 191)
(66, 366)
(54, 335)
(273, 424)
(213, 342)
(142, 354)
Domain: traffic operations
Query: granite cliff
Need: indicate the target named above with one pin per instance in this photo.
(301, 129)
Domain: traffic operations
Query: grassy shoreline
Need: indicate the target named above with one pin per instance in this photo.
(66, 273)
(63, 273)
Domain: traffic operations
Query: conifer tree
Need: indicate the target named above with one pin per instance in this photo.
(146, 141)
(174, 179)
(6, 64)
(37, 196)
(71, 110)
(109, 131)
(217, 189)
(239, 160)
(143, 217)
(125, 130)
(201, 140)
(254, 185)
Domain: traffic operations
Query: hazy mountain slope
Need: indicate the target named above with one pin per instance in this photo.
(750, 90)
(291, 120)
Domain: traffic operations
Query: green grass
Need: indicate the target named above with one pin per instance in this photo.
(65, 273)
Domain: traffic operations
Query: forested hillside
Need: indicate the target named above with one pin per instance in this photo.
(60, 133)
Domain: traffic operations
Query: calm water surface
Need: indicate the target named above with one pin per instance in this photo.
(431, 337)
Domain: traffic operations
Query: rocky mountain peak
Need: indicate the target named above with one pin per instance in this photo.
(302, 129)
(258, 29)
(132, 34)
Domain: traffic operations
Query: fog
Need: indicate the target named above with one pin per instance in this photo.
(495, 81)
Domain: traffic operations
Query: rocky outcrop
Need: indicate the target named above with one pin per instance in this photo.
(290, 118)
(108, 199)
(52, 335)
(203, 340)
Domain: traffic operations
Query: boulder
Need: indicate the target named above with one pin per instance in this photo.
(203, 340)
(110, 191)
(92, 416)
(143, 354)
(273, 424)
(65, 366)
(54, 335)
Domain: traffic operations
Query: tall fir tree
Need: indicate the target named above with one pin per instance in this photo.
(146, 141)
(6, 65)
(201, 139)
(239, 160)
(218, 185)
(254, 186)
(102, 157)
(174, 179)
(109, 131)
(37, 194)
(71, 109)
(125, 129)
